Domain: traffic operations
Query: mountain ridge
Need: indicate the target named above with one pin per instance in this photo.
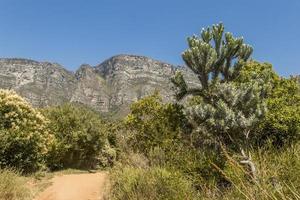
(110, 86)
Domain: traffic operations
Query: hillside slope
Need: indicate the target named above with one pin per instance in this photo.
(109, 87)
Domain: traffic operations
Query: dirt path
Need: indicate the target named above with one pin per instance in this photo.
(76, 187)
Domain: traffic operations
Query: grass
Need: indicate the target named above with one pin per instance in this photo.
(150, 184)
(13, 186)
(278, 172)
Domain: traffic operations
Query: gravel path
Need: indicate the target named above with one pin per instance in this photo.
(76, 187)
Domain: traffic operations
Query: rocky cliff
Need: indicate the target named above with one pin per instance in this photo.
(108, 87)
(41, 83)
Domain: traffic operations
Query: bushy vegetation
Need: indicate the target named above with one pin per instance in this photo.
(24, 138)
(151, 184)
(236, 138)
(12, 186)
(277, 172)
(80, 138)
(281, 124)
(67, 136)
(151, 123)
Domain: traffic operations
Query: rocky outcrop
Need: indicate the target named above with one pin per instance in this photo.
(109, 87)
(129, 78)
(41, 83)
(91, 89)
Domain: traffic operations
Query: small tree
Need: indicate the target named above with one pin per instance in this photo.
(80, 136)
(227, 111)
(154, 124)
(213, 57)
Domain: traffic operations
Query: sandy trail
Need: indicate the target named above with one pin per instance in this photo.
(75, 187)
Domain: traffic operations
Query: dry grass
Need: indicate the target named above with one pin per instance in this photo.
(278, 173)
(13, 186)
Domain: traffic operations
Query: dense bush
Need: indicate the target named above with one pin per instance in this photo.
(23, 134)
(12, 186)
(80, 137)
(281, 123)
(150, 184)
(152, 123)
(232, 116)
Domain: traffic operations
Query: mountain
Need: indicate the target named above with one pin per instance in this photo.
(109, 87)
(41, 83)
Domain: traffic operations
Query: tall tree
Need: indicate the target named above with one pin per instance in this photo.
(227, 111)
(213, 56)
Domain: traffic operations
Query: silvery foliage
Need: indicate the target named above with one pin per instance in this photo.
(228, 110)
(232, 115)
(212, 56)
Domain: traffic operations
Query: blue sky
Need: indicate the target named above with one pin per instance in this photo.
(73, 32)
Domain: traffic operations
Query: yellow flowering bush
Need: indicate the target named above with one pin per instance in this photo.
(23, 133)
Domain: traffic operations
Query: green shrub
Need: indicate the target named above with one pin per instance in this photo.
(12, 186)
(281, 123)
(151, 123)
(107, 156)
(158, 135)
(150, 184)
(23, 134)
(80, 137)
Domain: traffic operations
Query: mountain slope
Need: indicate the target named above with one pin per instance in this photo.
(108, 87)
(41, 83)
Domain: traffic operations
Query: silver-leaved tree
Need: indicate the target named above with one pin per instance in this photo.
(227, 110)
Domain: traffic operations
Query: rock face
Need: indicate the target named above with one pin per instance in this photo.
(109, 87)
(41, 83)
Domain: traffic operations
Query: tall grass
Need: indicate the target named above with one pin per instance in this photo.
(150, 184)
(13, 186)
(278, 176)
